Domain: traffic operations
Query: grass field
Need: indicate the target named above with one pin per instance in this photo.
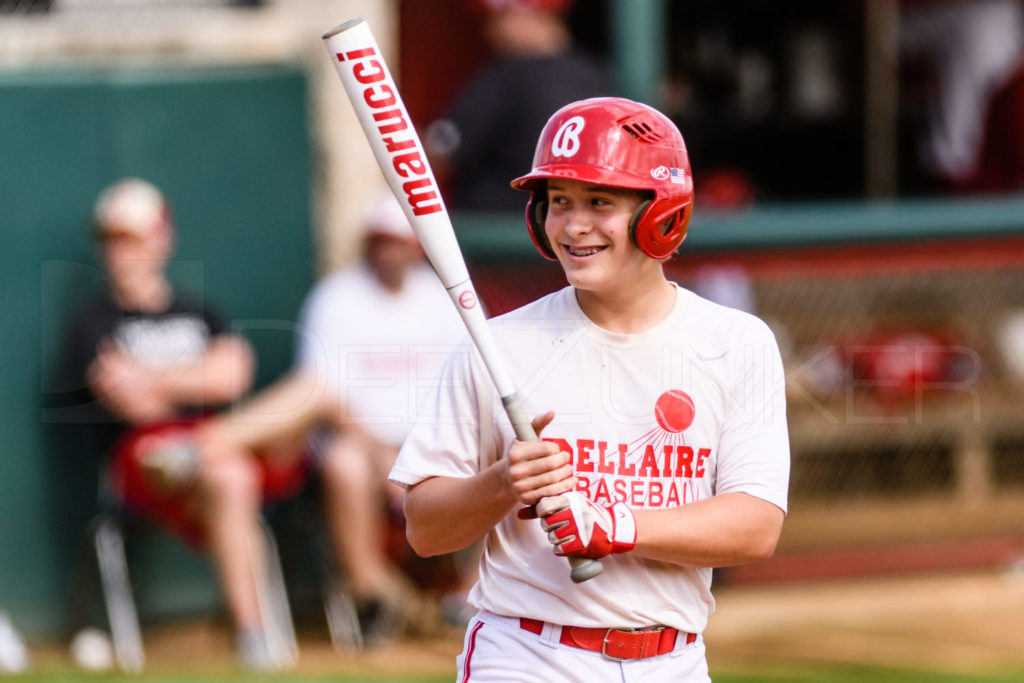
(936, 628)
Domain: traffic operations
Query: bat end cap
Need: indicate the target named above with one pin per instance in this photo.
(585, 570)
(341, 28)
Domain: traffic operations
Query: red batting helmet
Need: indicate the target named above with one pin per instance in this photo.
(621, 143)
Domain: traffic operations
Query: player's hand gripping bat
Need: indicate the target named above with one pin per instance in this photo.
(397, 147)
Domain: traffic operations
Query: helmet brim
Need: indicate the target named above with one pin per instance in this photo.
(588, 174)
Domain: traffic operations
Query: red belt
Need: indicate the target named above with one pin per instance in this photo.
(616, 643)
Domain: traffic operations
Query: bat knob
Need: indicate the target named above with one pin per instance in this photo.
(584, 569)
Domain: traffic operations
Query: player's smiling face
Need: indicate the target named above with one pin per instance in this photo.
(587, 226)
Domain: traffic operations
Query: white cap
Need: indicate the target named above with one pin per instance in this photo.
(132, 206)
(384, 216)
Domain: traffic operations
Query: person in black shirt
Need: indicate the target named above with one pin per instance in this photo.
(488, 133)
(148, 362)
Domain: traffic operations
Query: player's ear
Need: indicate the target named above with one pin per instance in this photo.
(637, 215)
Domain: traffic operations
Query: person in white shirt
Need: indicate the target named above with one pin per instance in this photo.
(377, 332)
(664, 447)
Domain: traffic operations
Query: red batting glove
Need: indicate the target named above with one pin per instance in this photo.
(576, 526)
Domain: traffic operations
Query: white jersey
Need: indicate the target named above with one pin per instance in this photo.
(691, 408)
(380, 351)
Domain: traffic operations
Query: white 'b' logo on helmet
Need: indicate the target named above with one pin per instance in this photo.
(567, 140)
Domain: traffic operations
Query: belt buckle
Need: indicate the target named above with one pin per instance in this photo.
(604, 646)
(608, 632)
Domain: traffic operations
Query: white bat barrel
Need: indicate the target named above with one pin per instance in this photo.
(396, 145)
(400, 154)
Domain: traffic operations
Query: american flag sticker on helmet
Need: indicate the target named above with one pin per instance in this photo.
(677, 175)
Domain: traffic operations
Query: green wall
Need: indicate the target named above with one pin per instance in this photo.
(231, 149)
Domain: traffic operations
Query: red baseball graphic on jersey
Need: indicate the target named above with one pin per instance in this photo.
(674, 411)
(657, 469)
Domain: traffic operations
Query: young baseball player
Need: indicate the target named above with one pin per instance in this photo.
(664, 449)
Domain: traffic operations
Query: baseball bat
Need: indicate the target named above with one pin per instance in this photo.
(399, 152)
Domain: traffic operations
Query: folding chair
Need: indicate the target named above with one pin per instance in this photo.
(304, 516)
(339, 609)
(104, 548)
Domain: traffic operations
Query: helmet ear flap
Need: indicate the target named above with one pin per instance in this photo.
(652, 238)
(536, 212)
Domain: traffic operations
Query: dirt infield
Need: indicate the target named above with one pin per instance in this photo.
(965, 622)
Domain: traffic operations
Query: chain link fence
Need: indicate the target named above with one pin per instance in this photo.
(905, 387)
(890, 375)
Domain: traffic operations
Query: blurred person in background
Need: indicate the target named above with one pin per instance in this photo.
(377, 331)
(147, 360)
(971, 55)
(485, 136)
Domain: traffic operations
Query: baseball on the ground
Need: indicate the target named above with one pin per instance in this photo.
(92, 650)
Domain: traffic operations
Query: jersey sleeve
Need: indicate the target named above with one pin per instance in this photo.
(754, 447)
(447, 439)
(70, 402)
(215, 321)
(199, 307)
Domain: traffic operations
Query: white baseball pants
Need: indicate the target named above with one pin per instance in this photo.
(497, 650)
